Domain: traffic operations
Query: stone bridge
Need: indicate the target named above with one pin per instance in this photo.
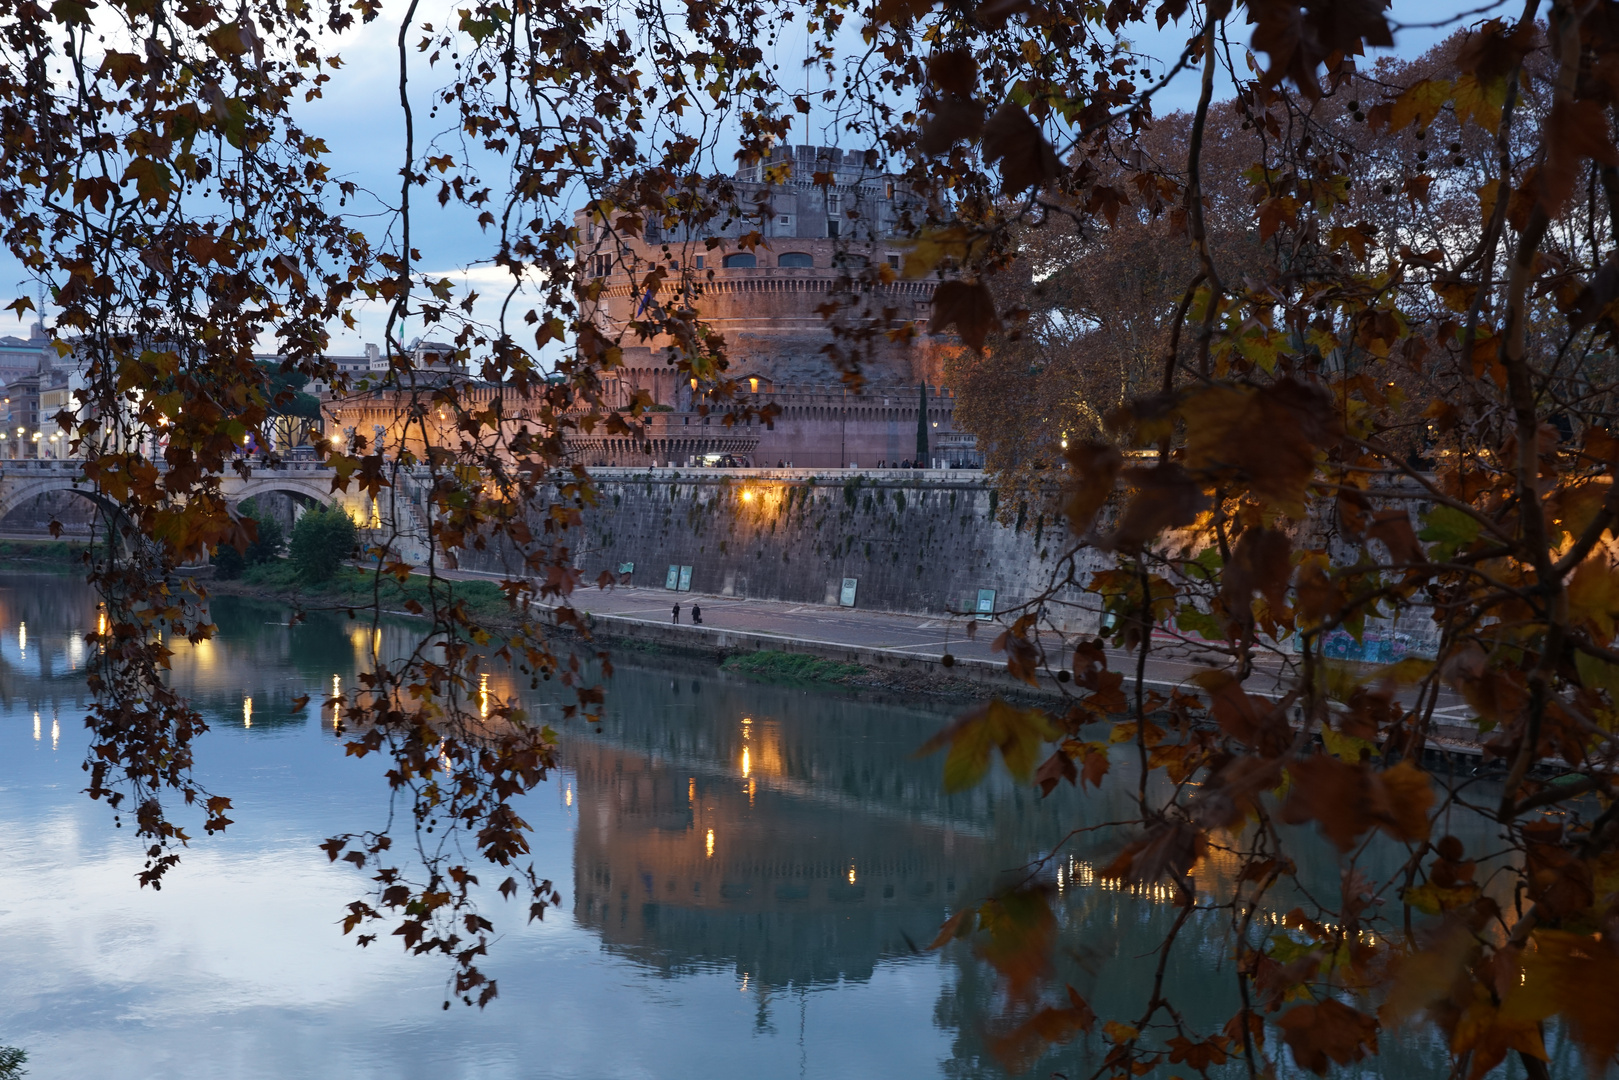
(307, 482)
(24, 479)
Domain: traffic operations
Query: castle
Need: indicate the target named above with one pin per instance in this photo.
(766, 294)
(825, 227)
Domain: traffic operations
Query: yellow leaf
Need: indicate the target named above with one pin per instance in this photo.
(1419, 104)
(1480, 103)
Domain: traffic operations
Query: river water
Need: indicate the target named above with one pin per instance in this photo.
(750, 877)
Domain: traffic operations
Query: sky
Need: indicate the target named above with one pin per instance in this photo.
(359, 118)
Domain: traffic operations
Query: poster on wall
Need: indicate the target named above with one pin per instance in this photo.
(685, 579)
(986, 603)
(672, 580)
(846, 596)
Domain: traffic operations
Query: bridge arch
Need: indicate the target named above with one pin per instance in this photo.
(19, 486)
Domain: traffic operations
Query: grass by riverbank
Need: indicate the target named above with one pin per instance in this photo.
(60, 556)
(775, 666)
(352, 587)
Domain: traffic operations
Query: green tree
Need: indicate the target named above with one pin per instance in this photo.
(271, 538)
(12, 1060)
(322, 541)
(922, 427)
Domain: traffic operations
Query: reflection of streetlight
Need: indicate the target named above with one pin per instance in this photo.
(710, 843)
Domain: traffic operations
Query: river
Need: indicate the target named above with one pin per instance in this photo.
(750, 877)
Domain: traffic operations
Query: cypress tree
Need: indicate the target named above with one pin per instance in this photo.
(922, 429)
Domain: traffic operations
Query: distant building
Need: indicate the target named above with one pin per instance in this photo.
(20, 357)
(840, 239)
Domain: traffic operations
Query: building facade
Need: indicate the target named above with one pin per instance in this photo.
(806, 288)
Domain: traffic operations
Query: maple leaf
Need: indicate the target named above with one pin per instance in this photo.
(1018, 734)
(1328, 1032)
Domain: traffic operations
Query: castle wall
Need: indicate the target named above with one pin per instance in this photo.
(916, 541)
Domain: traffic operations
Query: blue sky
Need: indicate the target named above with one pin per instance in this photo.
(359, 118)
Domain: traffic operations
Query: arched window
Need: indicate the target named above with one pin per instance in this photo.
(795, 259)
(745, 260)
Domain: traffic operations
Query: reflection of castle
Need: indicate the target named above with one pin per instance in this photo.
(766, 284)
(801, 844)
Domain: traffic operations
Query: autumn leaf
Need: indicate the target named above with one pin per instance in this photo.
(1419, 103)
(1018, 1049)
(967, 306)
(1327, 1032)
(1014, 141)
(1018, 734)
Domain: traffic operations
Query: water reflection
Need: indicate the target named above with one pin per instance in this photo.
(755, 871)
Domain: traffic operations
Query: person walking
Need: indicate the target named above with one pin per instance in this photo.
(676, 612)
(696, 615)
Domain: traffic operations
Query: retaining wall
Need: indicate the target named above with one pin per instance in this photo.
(912, 540)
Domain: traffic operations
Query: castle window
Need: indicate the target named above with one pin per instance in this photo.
(893, 260)
(745, 260)
(832, 228)
(796, 258)
(699, 262)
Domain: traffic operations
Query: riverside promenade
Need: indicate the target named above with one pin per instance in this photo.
(912, 647)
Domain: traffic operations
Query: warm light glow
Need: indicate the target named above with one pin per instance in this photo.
(101, 624)
(753, 385)
(753, 785)
(691, 790)
(337, 706)
(745, 764)
(694, 384)
(851, 873)
(711, 843)
(567, 795)
(747, 496)
(247, 712)
(483, 695)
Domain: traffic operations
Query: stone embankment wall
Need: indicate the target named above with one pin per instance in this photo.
(922, 541)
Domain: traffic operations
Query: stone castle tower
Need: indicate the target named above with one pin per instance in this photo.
(819, 244)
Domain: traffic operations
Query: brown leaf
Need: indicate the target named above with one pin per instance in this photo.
(1168, 850)
(1020, 1048)
(1328, 1031)
(1345, 800)
(1021, 930)
(1261, 562)
(1026, 158)
(1298, 38)
(954, 71)
(1575, 131)
(1489, 52)
(1093, 470)
(1393, 527)
(969, 307)
(1164, 497)
(1573, 975)
(951, 120)
(1267, 438)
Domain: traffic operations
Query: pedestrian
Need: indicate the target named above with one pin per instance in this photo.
(696, 615)
(676, 612)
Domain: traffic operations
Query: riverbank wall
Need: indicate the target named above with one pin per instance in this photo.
(905, 540)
